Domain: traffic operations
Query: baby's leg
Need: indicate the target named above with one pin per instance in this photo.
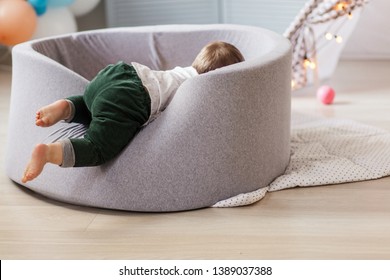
(118, 111)
(53, 113)
(103, 141)
(42, 154)
(80, 112)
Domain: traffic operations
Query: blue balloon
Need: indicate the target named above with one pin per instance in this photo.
(59, 3)
(39, 6)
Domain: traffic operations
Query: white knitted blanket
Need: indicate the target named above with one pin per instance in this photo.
(327, 151)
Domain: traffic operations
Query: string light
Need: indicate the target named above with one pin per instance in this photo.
(306, 45)
(339, 39)
(328, 36)
(309, 64)
(341, 6)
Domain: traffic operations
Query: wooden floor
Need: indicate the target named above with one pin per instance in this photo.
(348, 221)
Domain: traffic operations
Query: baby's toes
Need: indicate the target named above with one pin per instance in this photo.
(40, 119)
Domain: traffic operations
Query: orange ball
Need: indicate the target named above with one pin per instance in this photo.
(18, 21)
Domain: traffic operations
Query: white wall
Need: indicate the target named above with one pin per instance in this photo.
(371, 37)
(96, 19)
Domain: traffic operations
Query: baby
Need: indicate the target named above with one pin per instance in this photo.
(116, 104)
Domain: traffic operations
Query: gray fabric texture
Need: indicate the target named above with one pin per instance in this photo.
(69, 157)
(224, 133)
(72, 111)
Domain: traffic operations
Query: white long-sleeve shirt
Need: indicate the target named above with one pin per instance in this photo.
(162, 85)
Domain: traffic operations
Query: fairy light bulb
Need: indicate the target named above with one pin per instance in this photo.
(309, 64)
(328, 36)
(306, 62)
(339, 39)
(341, 6)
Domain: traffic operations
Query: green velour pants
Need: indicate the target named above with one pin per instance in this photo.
(115, 105)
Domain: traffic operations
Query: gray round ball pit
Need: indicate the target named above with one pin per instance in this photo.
(225, 133)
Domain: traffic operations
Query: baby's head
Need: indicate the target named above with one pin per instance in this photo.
(216, 55)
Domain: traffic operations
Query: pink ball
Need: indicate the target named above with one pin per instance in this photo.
(326, 94)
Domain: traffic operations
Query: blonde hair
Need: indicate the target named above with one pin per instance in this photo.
(216, 55)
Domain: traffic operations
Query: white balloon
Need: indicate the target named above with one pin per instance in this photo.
(82, 7)
(55, 21)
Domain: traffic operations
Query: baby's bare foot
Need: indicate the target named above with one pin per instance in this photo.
(53, 113)
(38, 160)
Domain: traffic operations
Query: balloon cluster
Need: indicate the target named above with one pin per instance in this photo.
(22, 20)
